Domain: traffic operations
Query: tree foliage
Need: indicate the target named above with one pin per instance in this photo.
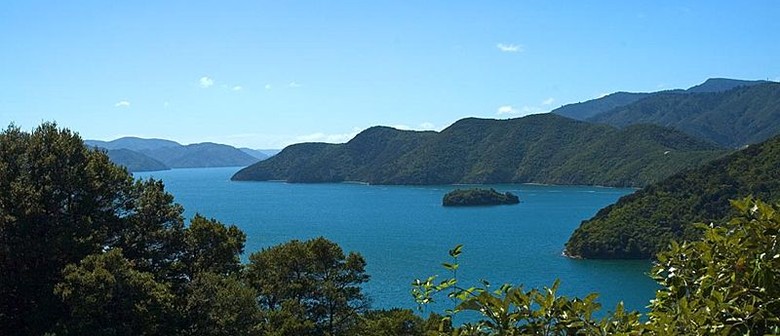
(212, 247)
(478, 196)
(309, 287)
(512, 310)
(105, 295)
(220, 305)
(724, 284)
(59, 202)
(83, 247)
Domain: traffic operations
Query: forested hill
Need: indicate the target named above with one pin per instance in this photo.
(134, 161)
(643, 223)
(360, 159)
(594, 107)
(544, 148)
(732, 118)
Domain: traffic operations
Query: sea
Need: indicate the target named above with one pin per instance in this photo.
(404, 232)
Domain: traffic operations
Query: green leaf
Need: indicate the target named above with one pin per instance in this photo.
(455, 252)
(450, 266)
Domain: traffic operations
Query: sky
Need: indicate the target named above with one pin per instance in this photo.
(266, 74)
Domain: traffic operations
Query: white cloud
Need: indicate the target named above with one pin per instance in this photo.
(294, 85)
(548, 101)
(329, 138)
(123, 103)
(206, 82)
(268, 86)
(508, 47)
(507, 109)
(237, 88)
(427, 126)
(166, 104)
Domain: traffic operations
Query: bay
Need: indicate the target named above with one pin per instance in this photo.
(404, 232)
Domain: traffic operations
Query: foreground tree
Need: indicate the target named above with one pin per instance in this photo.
(726, 283)
(59, 202)
(84, 248)
(308, 288)
(105, 295)
(220, 305)
(212, 247)
(512, 310)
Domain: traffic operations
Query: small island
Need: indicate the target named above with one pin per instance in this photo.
(478, 196)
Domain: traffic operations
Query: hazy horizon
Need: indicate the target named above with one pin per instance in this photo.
(269, 74)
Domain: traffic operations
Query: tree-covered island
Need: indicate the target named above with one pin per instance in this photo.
(478, 196)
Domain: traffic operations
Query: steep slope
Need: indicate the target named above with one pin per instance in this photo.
(134, 161)
(360, 159)
(590, 108)
(744, 115)
(201, 155)
(722, 84)
(641, 224)
(543, 148)
(254, 153)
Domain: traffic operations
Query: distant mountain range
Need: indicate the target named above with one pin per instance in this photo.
(731, 113)
(591, 108)
(139, 154)
(733, 118)
(544, 148)
(641, 224)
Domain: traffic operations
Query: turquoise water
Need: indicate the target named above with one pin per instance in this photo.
(404, 233)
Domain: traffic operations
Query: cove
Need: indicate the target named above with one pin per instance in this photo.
(404, 232)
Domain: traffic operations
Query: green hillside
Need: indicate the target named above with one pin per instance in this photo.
(544, 148)
(643, 223)
(734, 118)
(134, 161)
(361, 159)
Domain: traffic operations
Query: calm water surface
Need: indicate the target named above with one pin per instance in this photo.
(404, 233)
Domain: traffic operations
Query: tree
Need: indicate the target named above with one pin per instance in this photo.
(220, 305)
(308, 287)
(72, 219)
(105, 295)
(393, 322)
(59, 202)
(212, 247)
(154, 235)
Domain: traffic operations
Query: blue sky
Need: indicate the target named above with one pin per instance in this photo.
(265, 74)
